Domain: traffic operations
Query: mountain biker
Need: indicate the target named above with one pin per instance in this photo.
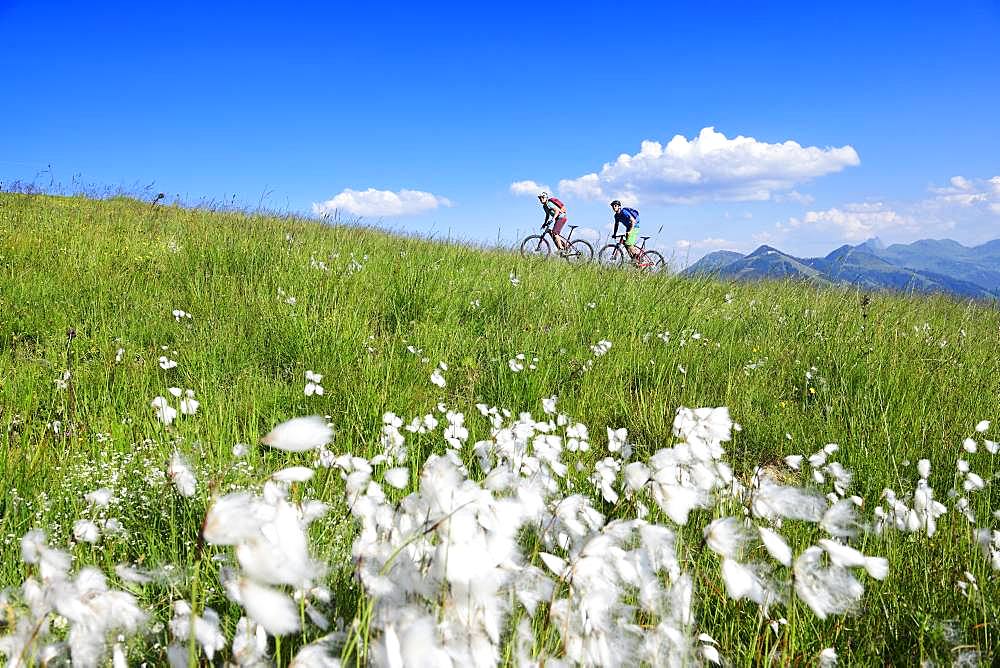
(555, 211)
(629, 218)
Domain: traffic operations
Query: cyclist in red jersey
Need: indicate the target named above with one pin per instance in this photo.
(555, 211)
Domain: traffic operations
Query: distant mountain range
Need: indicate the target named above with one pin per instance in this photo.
(928, 265)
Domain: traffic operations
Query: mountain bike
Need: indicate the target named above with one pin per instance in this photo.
(537, 245)
(614, 255)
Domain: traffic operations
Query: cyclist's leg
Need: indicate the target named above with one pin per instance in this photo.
(630, 240)
(557, 227)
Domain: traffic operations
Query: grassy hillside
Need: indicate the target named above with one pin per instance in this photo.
(89, 287)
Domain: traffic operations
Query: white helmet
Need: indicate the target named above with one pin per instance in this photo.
(543, 195)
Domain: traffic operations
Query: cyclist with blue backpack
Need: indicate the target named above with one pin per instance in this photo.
(629, 219)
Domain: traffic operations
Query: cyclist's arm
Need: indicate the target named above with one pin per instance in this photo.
(629, 223)
(551, 211)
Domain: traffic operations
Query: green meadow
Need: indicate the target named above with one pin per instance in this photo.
(88, 290)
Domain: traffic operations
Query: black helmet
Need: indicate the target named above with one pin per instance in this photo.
(615, 203)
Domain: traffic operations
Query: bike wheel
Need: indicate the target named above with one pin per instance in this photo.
(535, 246)
(658, 264)
(611, 256)
(579, 252)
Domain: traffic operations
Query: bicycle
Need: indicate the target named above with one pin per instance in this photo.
(537, 245)
(613, 255)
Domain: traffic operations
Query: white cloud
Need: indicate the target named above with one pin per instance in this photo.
(381, 203)
(963, 192)
(711, 243)
(710, 166)
(528, 188)
(588, 233)
(854, 222)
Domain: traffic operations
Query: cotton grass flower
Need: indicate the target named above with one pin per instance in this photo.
(100, 498)
(165, 413)
(776, 546)
(826, 590)
(293, 474)
(848, 557)
(189, 405)
(299, 434)
(272, 609)
(726, 536)
(313, 386)
(86, 531)
(180, 474)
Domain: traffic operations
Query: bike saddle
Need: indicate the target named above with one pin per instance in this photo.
(573, 227)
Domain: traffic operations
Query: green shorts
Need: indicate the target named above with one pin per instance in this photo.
(632, 236)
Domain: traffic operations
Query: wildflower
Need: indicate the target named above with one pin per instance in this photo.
(514, 280)
(235, 518)
(240, 450)
(52, 564)
(841, 519)
(972, 482)
(826, 591)
(748, 581)
(636, 476)
(924, 468)
(549, 405)
(828, 658)
(618, 442)
(848, 557)
(397, 477)
(793, 461)
(771, 500)
(189, 405)
(272, 609)
(167, 363)
(181, 476)
(299, 434)
(600, 348)
(62, 382)
(99, 497)
(776, 546)
(515, 365)
(165, 413)
(969, 445)
(86, 531)
(293, 474)
(313, 384)
(983, 426)
(206, 628)
(119, 355)
(726, 536)
(437, 378)
(249, 643)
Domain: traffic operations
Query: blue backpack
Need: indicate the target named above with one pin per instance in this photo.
(633, 213)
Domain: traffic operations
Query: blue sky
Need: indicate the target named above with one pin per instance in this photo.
(296, 107)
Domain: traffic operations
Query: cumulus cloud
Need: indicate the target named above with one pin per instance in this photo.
(965, 192)
(521, 188)
(588, 233)
(854, 222)
(381, 203)
(711, 243)
(710, 167)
